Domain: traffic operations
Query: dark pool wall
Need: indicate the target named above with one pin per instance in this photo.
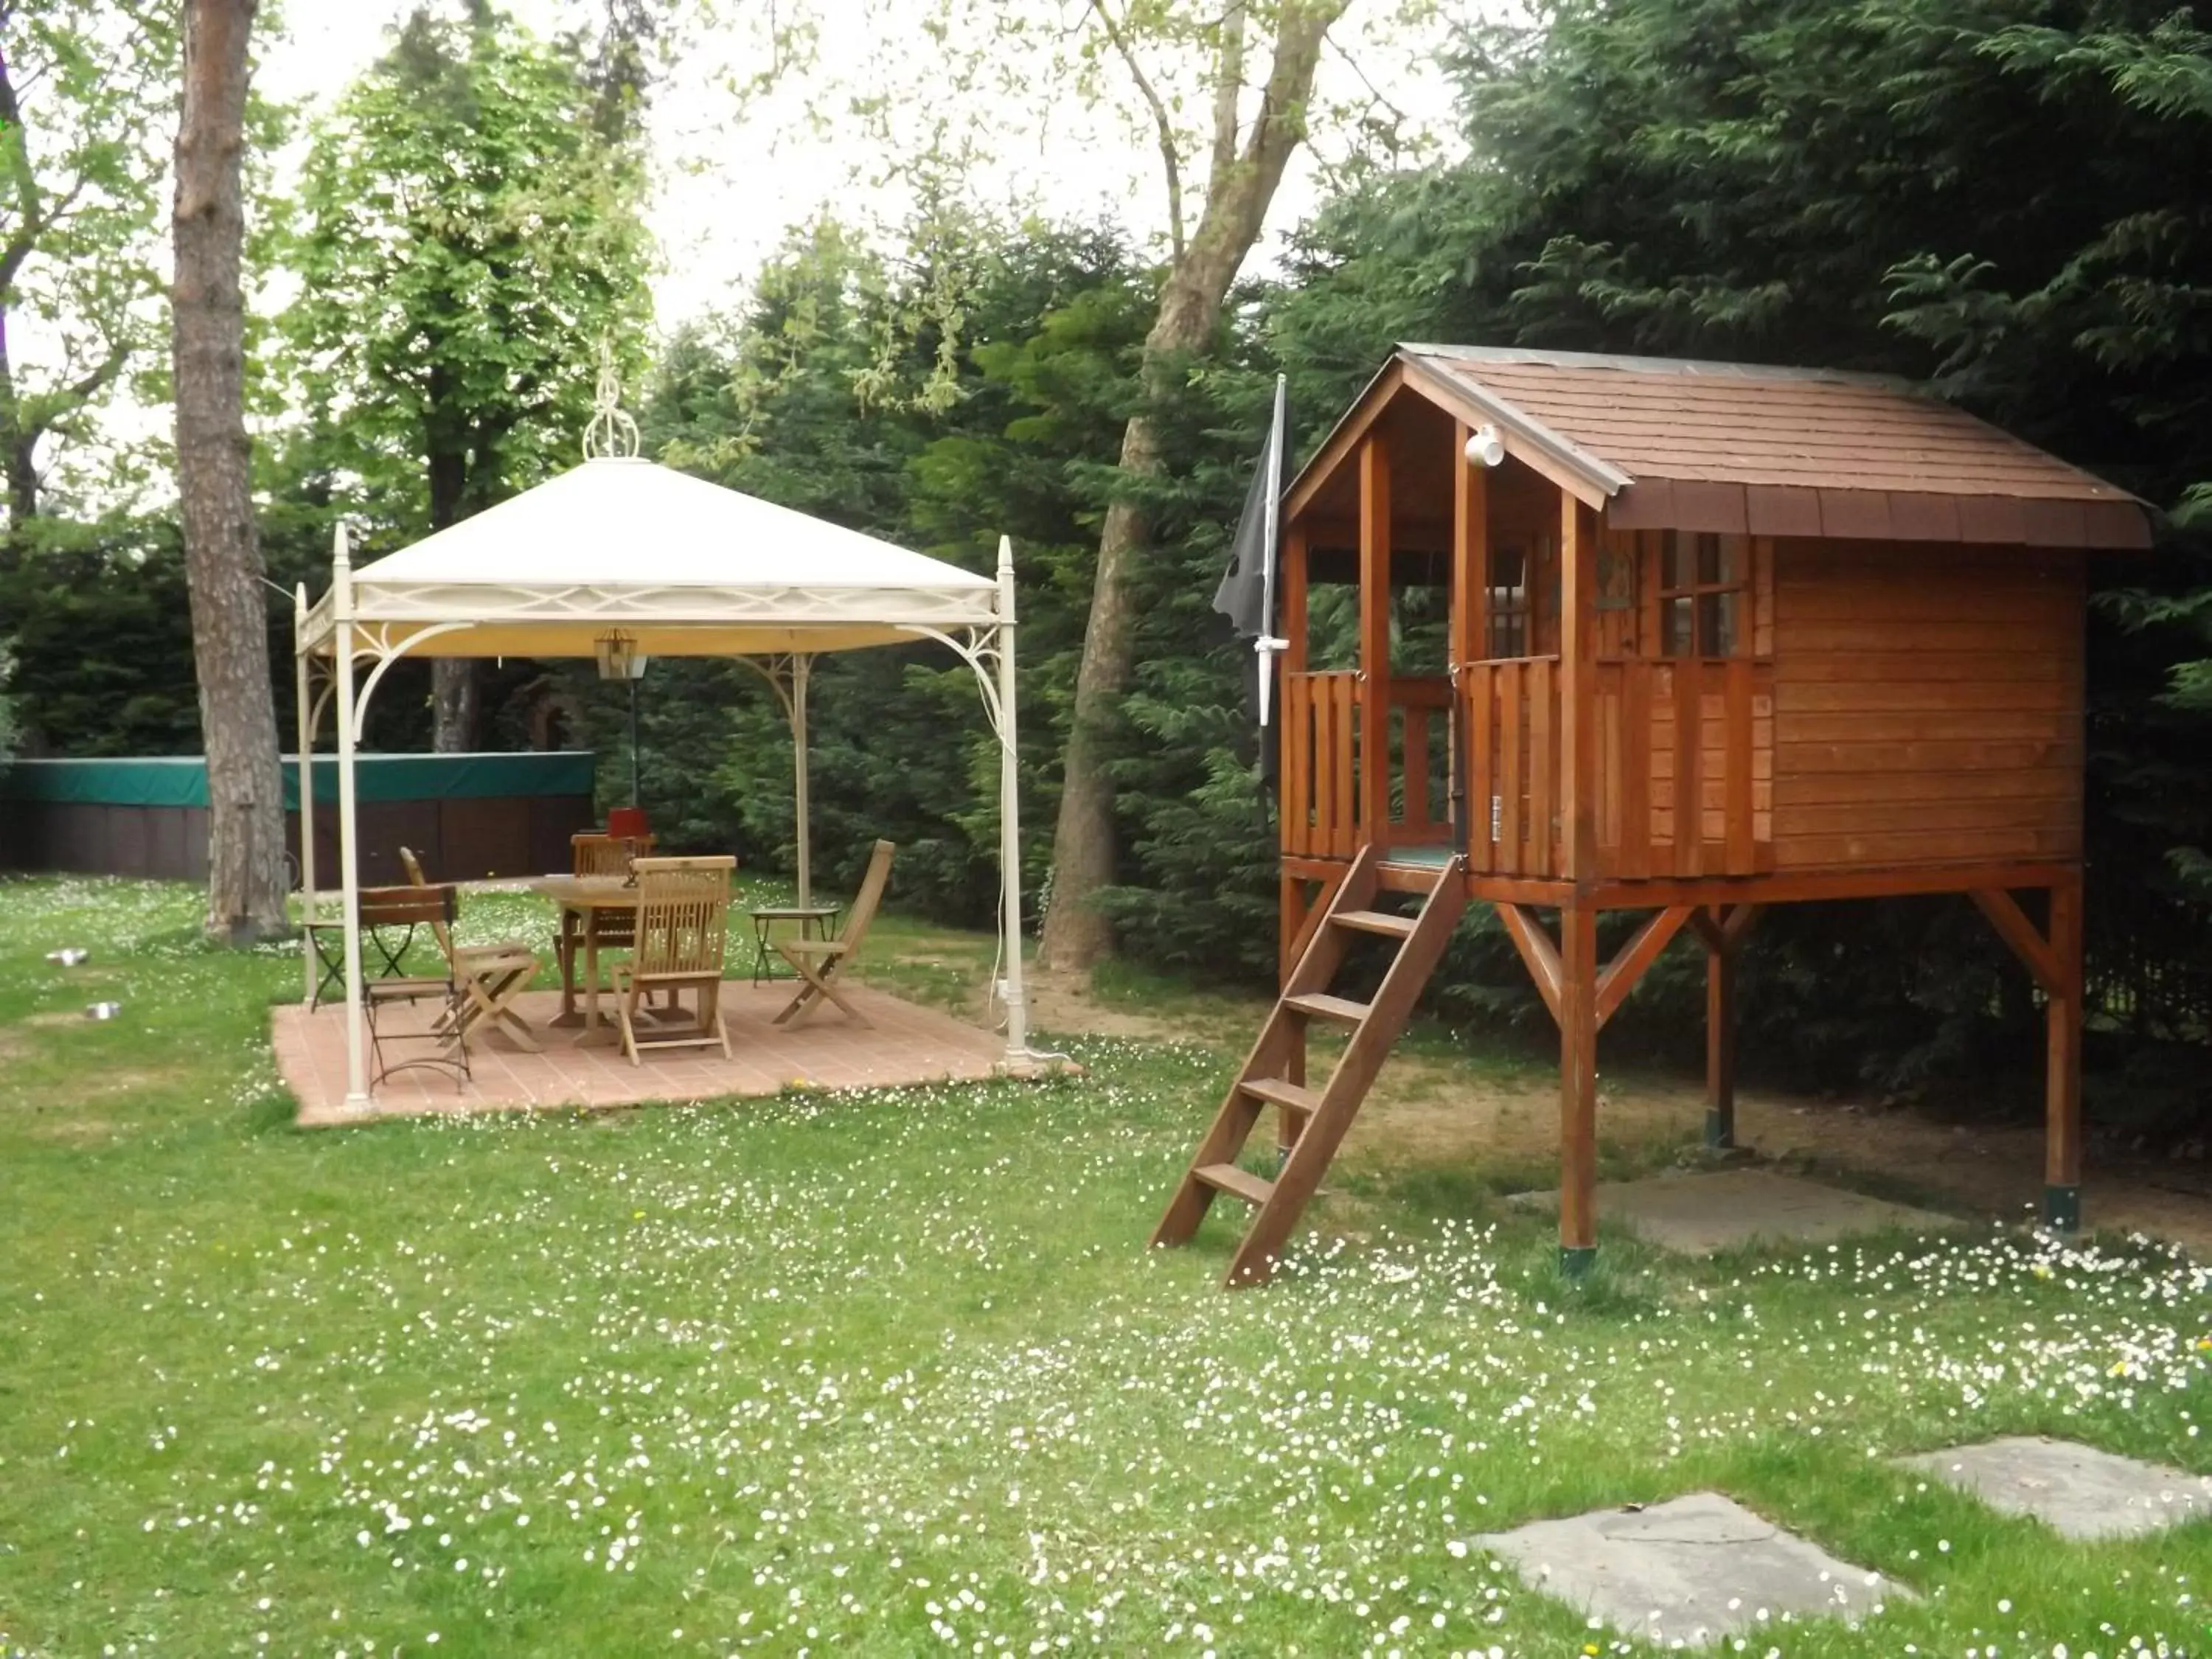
(468, 816)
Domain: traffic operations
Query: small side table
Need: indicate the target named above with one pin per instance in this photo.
(815, 921)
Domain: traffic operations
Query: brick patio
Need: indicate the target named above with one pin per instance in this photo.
(907, 1044)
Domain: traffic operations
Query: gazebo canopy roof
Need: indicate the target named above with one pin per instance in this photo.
(684, 567)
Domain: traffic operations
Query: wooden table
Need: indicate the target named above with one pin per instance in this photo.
(586, 904)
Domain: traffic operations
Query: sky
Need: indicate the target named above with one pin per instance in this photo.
(741, 154)
(734, 173)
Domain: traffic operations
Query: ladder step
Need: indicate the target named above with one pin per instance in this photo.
(1410, 877)
(1228, 1178)
(1376, 922)
(1322, 1005)
(1282, 1092)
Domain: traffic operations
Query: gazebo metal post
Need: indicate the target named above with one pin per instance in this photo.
(1010, 829)
(357, 1097)
(802, 669)
(788, 678)
(308, 962)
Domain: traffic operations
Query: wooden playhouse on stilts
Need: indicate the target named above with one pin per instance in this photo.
(1714, 637)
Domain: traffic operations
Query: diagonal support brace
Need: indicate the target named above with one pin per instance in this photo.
(1537, 951)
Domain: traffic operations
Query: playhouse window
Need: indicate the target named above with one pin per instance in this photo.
(1705, 582)
(1508, 609)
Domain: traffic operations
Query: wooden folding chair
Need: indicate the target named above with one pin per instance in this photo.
(487, 978)
(594, 853)
(383, 913)
(411, 907)
(820, 961)
(683, 936)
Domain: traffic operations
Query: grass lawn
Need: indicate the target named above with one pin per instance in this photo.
(893, 1373)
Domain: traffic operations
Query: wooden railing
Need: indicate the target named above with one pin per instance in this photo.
(1323, 815)
(1320, 777)
(1512, 711)
(1684, 767)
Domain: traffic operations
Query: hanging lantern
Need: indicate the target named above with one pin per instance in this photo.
(618, 656)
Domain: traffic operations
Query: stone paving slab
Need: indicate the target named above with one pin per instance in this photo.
(2077, 1490)
(1698, 1211)
(1691, 1571)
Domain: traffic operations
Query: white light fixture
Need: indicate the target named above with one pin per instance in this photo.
(1485, 448)
(619, 657)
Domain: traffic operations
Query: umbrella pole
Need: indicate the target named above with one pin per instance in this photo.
(633, 744)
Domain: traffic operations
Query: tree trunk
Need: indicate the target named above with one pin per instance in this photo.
(453, 695)
(1076, 932)
(222, 550)
(1242, 185)
(454, 705)
(18, 459)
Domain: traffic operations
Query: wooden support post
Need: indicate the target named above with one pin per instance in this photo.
(1723, 931)
(1470, 574)
(2053, 959)
(1300, 920)
(1290, 918)
(1577, 774)
(1579, 967)
(1470, 643)
(1720, 1048)
(2062, 1172)
(1301, 930)
(1294, 773)
(1297, 773)
(1290, 1124)
(1375, 641)
(1577, 1011)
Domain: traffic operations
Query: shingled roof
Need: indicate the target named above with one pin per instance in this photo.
(1674, 444)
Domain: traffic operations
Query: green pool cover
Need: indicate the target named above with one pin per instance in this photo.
(181, 779)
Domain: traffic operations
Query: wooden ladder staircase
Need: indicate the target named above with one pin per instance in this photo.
(1273, 1073)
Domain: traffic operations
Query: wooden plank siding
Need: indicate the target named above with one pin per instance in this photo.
(1642, 788)
(1928, 704)
(1889, 706)
(1726, 778)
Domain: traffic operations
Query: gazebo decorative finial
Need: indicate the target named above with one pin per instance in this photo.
(611, 435)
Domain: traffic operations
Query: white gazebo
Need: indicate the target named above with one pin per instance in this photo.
(625, 559)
